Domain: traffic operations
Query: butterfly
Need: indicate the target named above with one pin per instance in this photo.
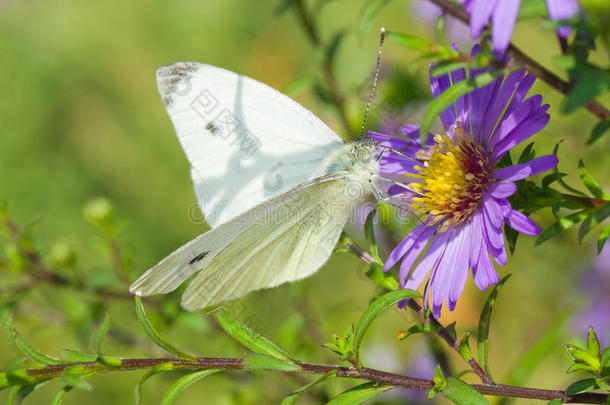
(273, 181)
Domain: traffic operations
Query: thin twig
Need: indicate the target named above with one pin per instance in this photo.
(526, 62)
(369, 374)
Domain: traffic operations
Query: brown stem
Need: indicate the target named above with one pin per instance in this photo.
(369, 374)
(526, 62)
(327, 69)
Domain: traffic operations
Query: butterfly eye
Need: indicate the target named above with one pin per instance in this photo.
(363, 155)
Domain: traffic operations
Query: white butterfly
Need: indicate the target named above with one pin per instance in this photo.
(275, 183)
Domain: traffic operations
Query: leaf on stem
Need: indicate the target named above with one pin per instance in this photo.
(360, 394)
(249, 338)
(374, 310)
(484, 325)
(182, 383)
(152, 333)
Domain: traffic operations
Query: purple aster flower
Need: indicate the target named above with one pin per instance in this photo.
(503, 15)
(453, 186)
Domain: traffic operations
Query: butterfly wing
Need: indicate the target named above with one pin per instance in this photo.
(286, 238)
(246, 141)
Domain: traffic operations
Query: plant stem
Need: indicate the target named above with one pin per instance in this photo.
(327, 69)
(369, 374)
(525, 61)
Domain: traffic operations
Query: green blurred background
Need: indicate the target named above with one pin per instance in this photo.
(81, 118)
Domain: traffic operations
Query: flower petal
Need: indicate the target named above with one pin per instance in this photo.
(502, 189)
(528, 127)
(521, 223)
(534, 166)
(401, 249)
(438, 84)
(481, 11)
(503, 21)
(561, 9)
(411, 256)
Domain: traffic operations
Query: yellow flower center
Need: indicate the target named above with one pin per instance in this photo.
(452, 179)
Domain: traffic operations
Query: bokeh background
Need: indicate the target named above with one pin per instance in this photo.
(81, 118)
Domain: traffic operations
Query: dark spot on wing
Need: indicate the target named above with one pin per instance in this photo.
(174, 79)
(199, 257)
(212, 128)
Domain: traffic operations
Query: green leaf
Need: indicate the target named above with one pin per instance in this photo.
(605, 360)
(182, 383)
(74, 377)
(463, 394)
(484, 325)
(420, 328)
(602, 238)
(374, 310)
(360, 394)
(385, 279)
(590, 82)
(584, 357)
(370, 11)
(29, 351)
(592, 343)
(598, 131)
(265, 362)
(410, 41)
(527, 154)
(591, 184)
(59, 398)
(556, 401)
(465, 351)
(444, 67)
(564, 223)
(154, 335)
(249, 338)
(73, 356)
(588, 384)
(369, 234)
(19, 393)
(137, 393)
(551, 178)
(446, 98)
(291, 398)
(98, 337)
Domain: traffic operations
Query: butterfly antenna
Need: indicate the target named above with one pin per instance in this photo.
(372, 93)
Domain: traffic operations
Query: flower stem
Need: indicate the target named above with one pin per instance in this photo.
(382, 377)
(525, 61)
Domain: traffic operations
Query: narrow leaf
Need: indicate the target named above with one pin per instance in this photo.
(98, 337)
(484, 325)
(291, 398)
(265, 362)
(564, 223)
(446, 98)
(58, 399)
(154, 335)
(359, 394)
(73, 356)
(588, 384)
(73, 376)
(29, 351)
(410, 41)
(19, 393)
(369, 234)
(420, 328)
(153, 371)
(249, 338)
(590, 183)
(463, 394)
(598, 131)
(182, 383)
(602, 238)
(444, 67)
(374, 310)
